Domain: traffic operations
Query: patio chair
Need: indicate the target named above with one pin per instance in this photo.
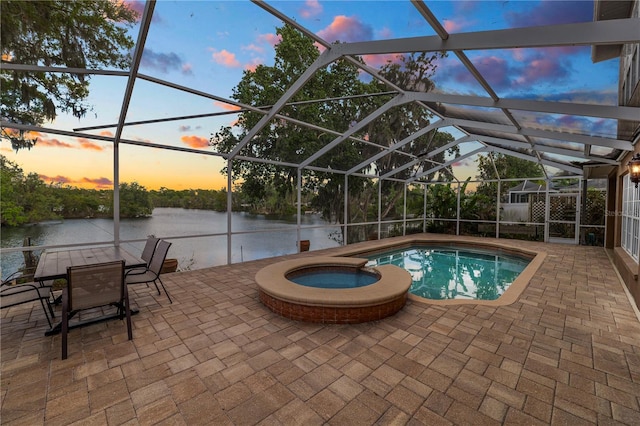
(152, 274)
(147, 254)
(12, 294)
(93, 286)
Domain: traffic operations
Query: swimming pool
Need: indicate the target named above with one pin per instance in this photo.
(455, 273)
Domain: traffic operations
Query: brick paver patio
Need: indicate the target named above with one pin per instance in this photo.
(567, 352)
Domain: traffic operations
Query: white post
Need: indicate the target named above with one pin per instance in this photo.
(404, 215)
(346, 211)
(229, 209)
(458, 214)
(299, 205)
(379, 207)
(498, 210)
(424, 210)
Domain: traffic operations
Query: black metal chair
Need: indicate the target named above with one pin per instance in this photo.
(152, 273)
(94, 286)
(147, 254)
(13, 294)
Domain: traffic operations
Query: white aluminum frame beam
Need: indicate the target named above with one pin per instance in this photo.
(543, 148)
(396, 101)
(565, 108)
(450, 145)
(543, 161)
(446, 164)
(438, 124)
(619, 31)
(8, 66)
(90, 136)
(145, 23)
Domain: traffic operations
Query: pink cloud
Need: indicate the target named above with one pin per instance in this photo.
(542, 69)
(52, 142)
(101, 182)
(346, 29)
(226, 106)
(318, 46)
(87, 144)
(311, 8)
(270, 39)
(226, 58)
(452, 26)
(251, 66)
(106, 133)
(518, 54)
(136, 6)
(195, 141)
(55, 179)
(377, 61)
(466, 162)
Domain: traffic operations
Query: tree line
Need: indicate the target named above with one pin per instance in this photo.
(26, 198)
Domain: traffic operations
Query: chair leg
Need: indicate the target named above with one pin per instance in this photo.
(156, 284)
(53, 315)
(128, 313)
(45, 311)
(165, 290)
(65, 325)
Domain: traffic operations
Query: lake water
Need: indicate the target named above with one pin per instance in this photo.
(277, 236)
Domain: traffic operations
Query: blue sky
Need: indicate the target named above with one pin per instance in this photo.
(206, 45)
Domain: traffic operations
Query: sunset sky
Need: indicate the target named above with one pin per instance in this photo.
(206, 45)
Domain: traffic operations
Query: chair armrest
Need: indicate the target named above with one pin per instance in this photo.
(43, 291)
(15, 276)
(136, 271)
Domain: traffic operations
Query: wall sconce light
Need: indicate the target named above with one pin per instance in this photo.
(634, 169)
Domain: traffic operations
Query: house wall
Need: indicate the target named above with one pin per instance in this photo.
(628, 94)
(629, 269)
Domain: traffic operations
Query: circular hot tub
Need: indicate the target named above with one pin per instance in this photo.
(333, 302)
(333, 277)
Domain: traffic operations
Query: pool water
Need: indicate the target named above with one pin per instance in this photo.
(441, 273)
(334, 279)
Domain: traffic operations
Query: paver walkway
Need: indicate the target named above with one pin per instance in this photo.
(567, 352)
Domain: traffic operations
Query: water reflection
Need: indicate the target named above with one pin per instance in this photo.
(192, 253)
(455, 273)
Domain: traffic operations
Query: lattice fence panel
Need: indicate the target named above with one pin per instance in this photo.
(537, 206)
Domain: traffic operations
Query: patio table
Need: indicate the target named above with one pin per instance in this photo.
(53, 265)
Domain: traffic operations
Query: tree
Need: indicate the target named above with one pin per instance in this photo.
(283, 141)
(11, 209)
(74, 34)
(25, 199)
(134, 200)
